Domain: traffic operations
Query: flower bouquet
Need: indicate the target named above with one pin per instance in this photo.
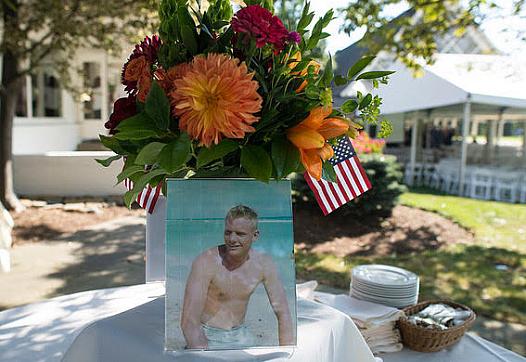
(227, 90)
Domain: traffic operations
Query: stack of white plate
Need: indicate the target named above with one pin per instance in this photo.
(384, 284)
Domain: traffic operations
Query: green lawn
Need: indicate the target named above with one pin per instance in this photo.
(494, 223)
(489, 276)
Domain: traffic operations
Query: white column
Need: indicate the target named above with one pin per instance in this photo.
(40, 96)
(500, 132)
(490, 140)
(464, 147)
(29, 97)
(104, 112)
(414, 140)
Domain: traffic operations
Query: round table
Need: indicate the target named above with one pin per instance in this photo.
(127, 324)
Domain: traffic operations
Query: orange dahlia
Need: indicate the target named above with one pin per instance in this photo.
(216, 97)
(166, 78)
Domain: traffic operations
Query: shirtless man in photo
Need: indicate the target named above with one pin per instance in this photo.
(220, 284)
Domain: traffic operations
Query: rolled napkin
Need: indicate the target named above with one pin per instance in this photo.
(365, 314)
(306, 290)
(377, 323)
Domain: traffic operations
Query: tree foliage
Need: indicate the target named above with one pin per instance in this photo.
(36, 32)
(413, 34)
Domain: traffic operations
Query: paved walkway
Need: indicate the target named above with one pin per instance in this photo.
(112, 254)
(103, 256)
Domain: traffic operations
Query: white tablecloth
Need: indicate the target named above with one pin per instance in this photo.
(130, 327)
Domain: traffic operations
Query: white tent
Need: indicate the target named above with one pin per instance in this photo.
(472, 87)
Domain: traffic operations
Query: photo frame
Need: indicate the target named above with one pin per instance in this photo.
(230, 274)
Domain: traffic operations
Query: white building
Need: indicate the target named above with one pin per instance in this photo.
(49, 118)
(50, 124)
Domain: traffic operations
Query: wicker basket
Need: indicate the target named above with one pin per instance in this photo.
(431, 340)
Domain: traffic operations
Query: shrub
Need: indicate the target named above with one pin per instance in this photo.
(385, 175)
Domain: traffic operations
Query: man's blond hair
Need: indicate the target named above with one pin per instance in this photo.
(242, 211)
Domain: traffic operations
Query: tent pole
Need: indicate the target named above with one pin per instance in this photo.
(490, 136)
(464, 146)
(414, 137)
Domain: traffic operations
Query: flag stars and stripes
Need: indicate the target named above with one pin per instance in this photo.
(351, 179)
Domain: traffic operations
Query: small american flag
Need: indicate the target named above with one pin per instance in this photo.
(148, 197)
(352, 180)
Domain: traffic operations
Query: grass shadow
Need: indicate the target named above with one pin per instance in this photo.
(490, 280)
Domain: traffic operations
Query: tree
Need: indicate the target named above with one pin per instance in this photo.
(36, 31)
(412, 35)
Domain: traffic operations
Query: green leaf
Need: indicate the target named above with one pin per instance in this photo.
(305, 19)
(359, 66)
(138, 121)
(113, 144)
(328, 173)
(216, 152)
(106, 162)
(326, 97)
(158, 106)
(128, 171)
(256, 161)
(149, 153)
(130, 160)
(327, 73)
(300, 66)
(312, 92)
(137, 134)
(386, 129)
(349, 106)
(140, 184)
(365, 101)
(375, 74)
(174, 155)
(285, 156)
(129, 198)
(339, 80)
(312, 42)
(189, 40)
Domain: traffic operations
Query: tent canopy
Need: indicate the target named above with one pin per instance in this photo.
(489, 82)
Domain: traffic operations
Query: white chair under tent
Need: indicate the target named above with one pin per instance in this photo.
(485, 183)
(522, 189)
(507, 187)
(481, 183)
(413, 176)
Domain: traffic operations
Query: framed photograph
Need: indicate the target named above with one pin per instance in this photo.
(230, 277)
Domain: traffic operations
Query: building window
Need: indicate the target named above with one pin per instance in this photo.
(46, 94)
(92, 96)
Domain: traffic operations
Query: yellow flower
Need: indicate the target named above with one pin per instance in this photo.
(215, 98)
(310, 135)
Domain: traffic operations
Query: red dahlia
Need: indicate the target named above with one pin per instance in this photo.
(122, 108)
(265, 28)
(148, 48)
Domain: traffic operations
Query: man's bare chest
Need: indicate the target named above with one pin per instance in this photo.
(236, 284)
